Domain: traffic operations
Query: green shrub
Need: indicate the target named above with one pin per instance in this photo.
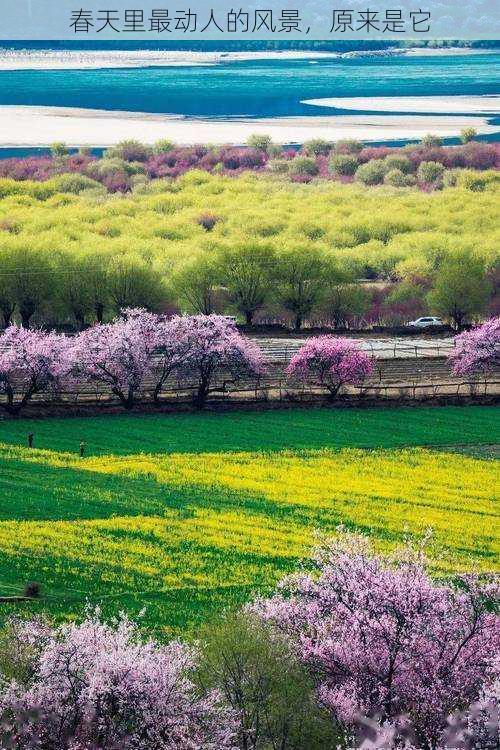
(317, 147)
(134, 168)
(59, 149)
(476, 181)
(259, 142)
(343, 164)
(372, 173)
(163, 146)
(74, 183)
(304, 165)
(430, 140)
(138, 182)
(279, 166)
(402, 163)
(274, 151)
(397, 178)
(468, 134)
(11, 187)
(262, 679)
(106, 166)
(129, 150)
(348, 146)
(430, 172)
(450, 177)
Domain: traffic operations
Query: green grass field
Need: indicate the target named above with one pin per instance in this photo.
(184, 514)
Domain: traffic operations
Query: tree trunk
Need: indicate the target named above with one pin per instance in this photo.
(7, 313)
(249, 317)
(10, 407)
(298, 322)
(202, 394)
(99, 311)
(127, 401)
(333, 391)
(25, 317)
(80, 321)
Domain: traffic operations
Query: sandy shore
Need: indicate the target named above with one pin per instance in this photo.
(30, 59)
(447, 51)
(41, 126)
(93, 59)
(447, 105)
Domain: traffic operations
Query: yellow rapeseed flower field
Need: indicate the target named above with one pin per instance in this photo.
(238, 521)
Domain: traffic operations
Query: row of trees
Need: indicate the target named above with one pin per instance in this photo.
(121, 356)
(314, 286)
(141, 349)
(252, 279)
(358, 636)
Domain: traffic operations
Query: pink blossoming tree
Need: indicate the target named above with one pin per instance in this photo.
(212, 345)
(477, 351)
(332, 362)
(171, 353)
(386, 641)
(119, 355)
(31, 361)
(96, 686)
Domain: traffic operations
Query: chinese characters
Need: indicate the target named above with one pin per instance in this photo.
(288, 21)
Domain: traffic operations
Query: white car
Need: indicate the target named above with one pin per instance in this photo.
(426, 322)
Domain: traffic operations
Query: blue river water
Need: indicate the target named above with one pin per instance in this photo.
(255, 88)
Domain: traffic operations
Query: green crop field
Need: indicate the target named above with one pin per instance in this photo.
(181, 515)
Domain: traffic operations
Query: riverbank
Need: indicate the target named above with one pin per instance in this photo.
(446, 105)
(22, 126)
(40, 59)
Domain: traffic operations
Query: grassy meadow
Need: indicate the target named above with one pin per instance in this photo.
(183, 515)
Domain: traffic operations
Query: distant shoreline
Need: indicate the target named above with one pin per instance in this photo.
(31, 127)
(41, 59)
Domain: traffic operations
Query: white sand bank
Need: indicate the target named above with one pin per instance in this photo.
(41, 126)
(93, 59)
(426, 104)
(30, 59)
(447, 51)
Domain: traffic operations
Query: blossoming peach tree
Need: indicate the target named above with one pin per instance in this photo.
(477, 351)
(94, 686)
(332, 362)
(386, 641)
(31, 361)
(137, 350)
(118, 354)
(213, 345)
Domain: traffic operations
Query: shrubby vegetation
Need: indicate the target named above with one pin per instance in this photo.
(130, 164)
(72, 253)
(359, 635)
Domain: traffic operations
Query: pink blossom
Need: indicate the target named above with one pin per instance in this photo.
(385, 640)
(477, 351)
(97, 686)
(332, 362)
(118, 354)
(212, 345)
(31, 361)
